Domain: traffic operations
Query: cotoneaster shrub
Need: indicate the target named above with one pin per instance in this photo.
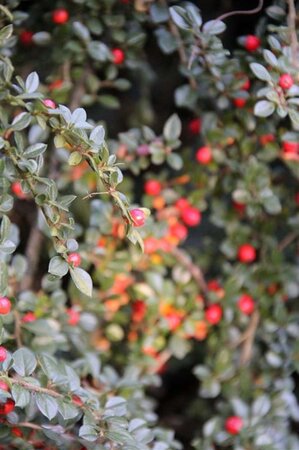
(89, 320)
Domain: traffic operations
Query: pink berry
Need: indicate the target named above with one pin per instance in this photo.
(246, 253)
(213, 314)
(74, 259)
(29, 317)
(49, 103)
(204, 155)
(191, 216)
(246, 304)
(60, 16)
(138, 217)
(118, 56)
(5, 305)
(233, 425)
(152, 187)
(3, 354)
(285, 81)
(73, 316)
(252, 43)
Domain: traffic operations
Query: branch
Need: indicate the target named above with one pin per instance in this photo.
(242, 12)
(292, 30)
(248, 339)
(287, 240)
(35, 388)
(181, 47)
(194, 270)
(32, 254)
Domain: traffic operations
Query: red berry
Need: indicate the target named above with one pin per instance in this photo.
(60, 16)
(74, 316)
(5, 305)
(191, 216)
(151, 245)
(17, 432)
(152, 187)
(246, 304)
(194, 126)
(77, 400)
(56, 84)
(246, 85)
(233, 424)
(239, 207)
(138, 217)
(118, 56)
(29, 317)
(204, 155)
(26, 37)
(290, 147)
(4, 386)
(252, 43)
(74, 259)
(174, 320)
(7, 407)
(246, 253)
(3, 354)
(239, 102)
(266, 138)
(179, 231)
(49, 103)
(214, 285)
(213, 314)
(297, 198)
(138, 310)
(182, 203)
(285, 81)
(16, 188)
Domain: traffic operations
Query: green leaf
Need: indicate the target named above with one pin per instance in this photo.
(82, 280)
(67, 410)
(260, 72)
(5, 227)
(32, 82)
(98, 51)
(179, 17)
(214, 27)
(116, 406)
(172, 128)
(5, 33)
(270, 58)
(58, 266)
(47, 405)
(34, 150)
(81, 31)
(88, 432)
(24, 361)
(175, 161)
(21, 121)
(264, 108)
(20, 395)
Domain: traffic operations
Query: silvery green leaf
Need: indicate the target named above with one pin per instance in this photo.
(32, 82)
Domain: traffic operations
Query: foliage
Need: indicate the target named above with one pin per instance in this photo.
(83, 340)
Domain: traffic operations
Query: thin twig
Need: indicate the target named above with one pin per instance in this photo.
(248, 338)
(292, 15)
(32, 254)
(181, 47)
(287, 240)
(17, 325)
(242, 12)
(193, 269)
